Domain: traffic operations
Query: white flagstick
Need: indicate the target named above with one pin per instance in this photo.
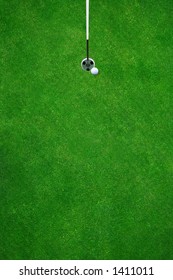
(87, 28)
(87, 19)
(87, 63)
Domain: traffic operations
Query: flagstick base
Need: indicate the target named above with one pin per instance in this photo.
(87, 64)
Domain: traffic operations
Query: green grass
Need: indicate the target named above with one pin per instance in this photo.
(87, 162)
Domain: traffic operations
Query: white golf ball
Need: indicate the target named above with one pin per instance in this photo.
(94, 71)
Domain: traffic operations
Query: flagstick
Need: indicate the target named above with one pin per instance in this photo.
(87, 63)
(87, 28)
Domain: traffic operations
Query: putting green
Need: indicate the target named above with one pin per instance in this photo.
(87, 161)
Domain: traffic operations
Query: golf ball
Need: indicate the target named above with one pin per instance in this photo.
(94, 71)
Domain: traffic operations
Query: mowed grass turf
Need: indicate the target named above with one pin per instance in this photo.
(87, 162)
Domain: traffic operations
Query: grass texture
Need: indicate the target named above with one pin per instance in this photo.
(87, 162)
